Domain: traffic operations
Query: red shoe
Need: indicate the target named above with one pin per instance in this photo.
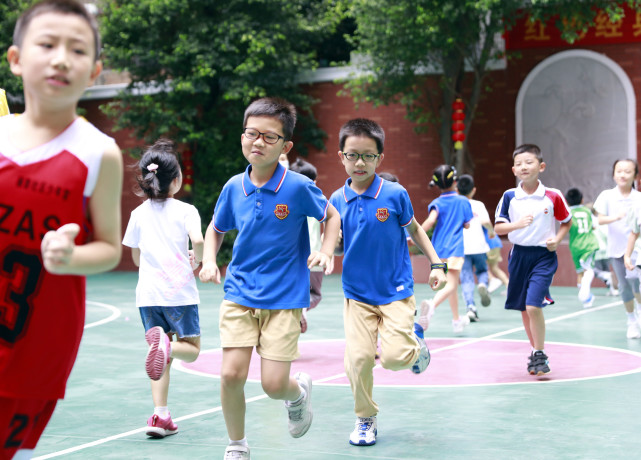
(159, 352)
(160, 427)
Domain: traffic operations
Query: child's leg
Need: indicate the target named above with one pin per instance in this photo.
(526, 324)
(467, 281)
(452, 278)
(500, 274)
(452, 285)
(234, 371)
(586, 284)
(536, 322)
(160, 388)
(186, 349)
(399, 347)
(276, 381)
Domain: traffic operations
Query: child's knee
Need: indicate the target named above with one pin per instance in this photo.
(275, 388)
(233, 377)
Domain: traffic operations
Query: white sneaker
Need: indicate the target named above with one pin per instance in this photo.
(365, 432)
(588, 303)
(486, 300)
(300, 414)
(237, 453)
(633, 330)
(458, 326)
(494, 284)
(427, 311)
(423, 359)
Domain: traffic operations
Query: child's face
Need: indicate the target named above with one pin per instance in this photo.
(56, 60)
(624, 174)
(259, 153)
(527, 167)
(361, 172)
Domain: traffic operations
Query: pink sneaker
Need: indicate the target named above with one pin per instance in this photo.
(159, 352)
(160, 427)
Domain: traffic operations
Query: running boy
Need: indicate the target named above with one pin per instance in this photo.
(60, 178)
(377, 272)
(527, 215)
(583, 244)
(267, 282)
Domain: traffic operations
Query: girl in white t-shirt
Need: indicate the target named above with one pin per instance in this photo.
(158, 234)
(612, 206)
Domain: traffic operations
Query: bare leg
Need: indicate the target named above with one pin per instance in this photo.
(537, 326)
(277, 382)
(235, 368)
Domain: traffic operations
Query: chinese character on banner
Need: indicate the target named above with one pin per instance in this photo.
(535, 31)
(605, 28)
(636, 27)
(4, 105)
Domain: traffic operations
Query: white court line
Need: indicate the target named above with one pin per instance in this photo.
(115, 313)
(326, 379)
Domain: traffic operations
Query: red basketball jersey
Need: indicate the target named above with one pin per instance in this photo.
(42, 315)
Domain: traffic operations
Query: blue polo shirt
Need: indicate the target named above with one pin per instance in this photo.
(376, 265)
(268, 269)
(454, 211)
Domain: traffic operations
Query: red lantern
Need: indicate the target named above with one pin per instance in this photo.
(458, 127)
(188, 171)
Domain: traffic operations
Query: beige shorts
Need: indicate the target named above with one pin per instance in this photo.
(494, 256)
(454, 263)
(274, 333)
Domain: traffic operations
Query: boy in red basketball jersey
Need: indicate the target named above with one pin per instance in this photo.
(60, 187)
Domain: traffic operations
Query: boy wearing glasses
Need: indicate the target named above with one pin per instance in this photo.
(267, 281)
(377, 273)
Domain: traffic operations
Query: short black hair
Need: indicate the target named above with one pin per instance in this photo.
(304, 167)
(274, 107)
(362, 127)
(388, 176)
(529, 148)
(574, 196)
(465, 184)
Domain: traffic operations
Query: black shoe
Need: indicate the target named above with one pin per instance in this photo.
(530, 364)
(540, 364)
(474, 317)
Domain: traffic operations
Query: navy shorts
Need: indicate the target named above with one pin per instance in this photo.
(182, 320)
(531, 271)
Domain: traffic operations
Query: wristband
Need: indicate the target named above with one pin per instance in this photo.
(442, 266)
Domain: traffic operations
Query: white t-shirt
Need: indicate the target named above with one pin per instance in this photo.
(611, 203)
(473, 237)
(159, 230)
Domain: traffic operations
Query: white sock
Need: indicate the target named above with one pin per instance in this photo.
(240, 442)
(586, 282)
(161, 411)
(299, 399)
(631, 317)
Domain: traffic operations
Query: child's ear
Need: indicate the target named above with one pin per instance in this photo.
(13, 56)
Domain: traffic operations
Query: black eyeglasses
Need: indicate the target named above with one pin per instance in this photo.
(367, 157)
(269, 138)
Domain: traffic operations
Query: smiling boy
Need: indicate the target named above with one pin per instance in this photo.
(527, 214)
(377, 272)
(267, 282)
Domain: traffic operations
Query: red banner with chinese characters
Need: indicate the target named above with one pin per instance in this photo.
(527, 34)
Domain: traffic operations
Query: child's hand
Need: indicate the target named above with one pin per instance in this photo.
(210, 273)
(525, 221)
(628, 263)
(321, 259)
(57, 248)
(437, 280)
(552, 244)
(192, 260)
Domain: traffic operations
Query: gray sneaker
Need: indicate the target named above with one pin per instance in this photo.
(301, 414)
(486, 300)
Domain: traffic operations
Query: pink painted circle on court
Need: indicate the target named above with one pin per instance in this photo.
(454, 362)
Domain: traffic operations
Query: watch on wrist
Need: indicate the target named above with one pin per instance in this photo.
(442, 266)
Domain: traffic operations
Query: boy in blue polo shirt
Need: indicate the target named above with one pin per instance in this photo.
(527, 214)
(267, 281)
(377, 273)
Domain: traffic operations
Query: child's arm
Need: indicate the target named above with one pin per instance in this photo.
(210, 271)
(419, 237)
(503, 228)
(197, 243)
(553, 243)
(604, 219)
(632, 238)
(430, 221)
(60, 255)
(330, 239)
(135, 256)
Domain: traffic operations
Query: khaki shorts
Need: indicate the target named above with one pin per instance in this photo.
(454, 263)
(494, 256)
(274, 333)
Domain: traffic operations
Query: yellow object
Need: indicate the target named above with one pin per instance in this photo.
(4, 105)
(458, 145)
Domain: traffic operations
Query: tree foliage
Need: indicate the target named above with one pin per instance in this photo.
(402, 41)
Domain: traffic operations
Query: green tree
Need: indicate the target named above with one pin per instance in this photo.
(196, 64)
(9, 12)
(455, 40)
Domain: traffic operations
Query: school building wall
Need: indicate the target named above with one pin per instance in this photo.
(411, 156)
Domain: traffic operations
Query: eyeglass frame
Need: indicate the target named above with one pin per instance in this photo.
(263, 135)
(361, 156)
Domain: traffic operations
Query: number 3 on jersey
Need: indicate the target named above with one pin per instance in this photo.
(19, 279)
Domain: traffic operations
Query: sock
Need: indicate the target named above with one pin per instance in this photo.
(631, 317)
(299, 399)
(240, 442)
(161, 411)
(534, 351)
(584, 289)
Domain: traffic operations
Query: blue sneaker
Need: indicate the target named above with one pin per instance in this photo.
(423, 359)
(365, 432)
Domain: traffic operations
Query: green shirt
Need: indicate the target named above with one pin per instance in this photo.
(583, 242)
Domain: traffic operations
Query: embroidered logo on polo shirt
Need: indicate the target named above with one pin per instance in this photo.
(546, 211)
(382, 214)
(281, 211)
